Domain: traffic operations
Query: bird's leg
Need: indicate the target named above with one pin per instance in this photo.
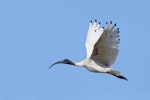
(121, 77)
(118, 76)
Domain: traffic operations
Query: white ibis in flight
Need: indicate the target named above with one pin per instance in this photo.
(102, 49)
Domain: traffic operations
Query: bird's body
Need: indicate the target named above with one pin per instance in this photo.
(102, 49)
(92, 65)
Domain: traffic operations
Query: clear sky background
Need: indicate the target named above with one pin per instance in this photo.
(36, 33)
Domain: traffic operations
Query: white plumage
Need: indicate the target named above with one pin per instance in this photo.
(102, 49)
(102, 43)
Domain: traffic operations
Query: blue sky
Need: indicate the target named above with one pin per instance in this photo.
(36, 33)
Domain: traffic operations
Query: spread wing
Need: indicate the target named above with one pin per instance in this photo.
(102, 43)
(94, 32)
(106, 48)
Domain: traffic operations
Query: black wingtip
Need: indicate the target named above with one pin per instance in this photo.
(110, 22)
(95, 20)
(90, 21)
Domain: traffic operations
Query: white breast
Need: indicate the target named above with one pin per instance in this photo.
(92, 65)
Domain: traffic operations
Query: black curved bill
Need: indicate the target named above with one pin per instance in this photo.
(56, 63)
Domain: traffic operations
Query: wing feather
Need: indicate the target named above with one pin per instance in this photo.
(94, 32)
(106, 49)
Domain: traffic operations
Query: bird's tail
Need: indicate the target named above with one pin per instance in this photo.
(117, 74)
(114, 72)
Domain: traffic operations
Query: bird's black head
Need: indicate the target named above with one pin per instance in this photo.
(65, 61)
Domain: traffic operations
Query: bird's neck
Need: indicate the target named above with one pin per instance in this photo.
(81, 63)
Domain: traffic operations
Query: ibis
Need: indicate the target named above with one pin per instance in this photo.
(102, 47)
